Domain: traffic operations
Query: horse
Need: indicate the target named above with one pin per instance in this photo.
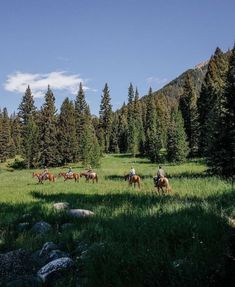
(42, 177)
(162, 182)
(133, 179)
(66, 176)
(90, 175)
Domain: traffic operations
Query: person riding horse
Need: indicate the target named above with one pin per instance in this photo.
(70, 172)
(160, 174)
(45, 173)
(132, 173)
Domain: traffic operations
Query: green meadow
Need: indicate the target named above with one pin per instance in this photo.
(136, 237)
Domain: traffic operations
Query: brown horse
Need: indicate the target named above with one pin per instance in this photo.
(133, 179)
(42, 177)
(90, 175)
(161, 183)
(74, 175)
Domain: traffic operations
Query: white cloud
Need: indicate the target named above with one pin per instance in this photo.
(18, 82)
(156, 80)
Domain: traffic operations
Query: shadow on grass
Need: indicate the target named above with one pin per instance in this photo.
(129, 248)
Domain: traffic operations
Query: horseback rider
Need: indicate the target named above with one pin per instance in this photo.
(132, 172)
(45, 173)
(160, 174)
(89, 169)
(70, 172)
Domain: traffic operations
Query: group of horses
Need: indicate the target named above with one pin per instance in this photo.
(159, 183)
(74, 175)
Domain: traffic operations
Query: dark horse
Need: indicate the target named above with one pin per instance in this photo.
(74, 175)
(42, 177)
(162, 182)
(132, 179)
(90, 175)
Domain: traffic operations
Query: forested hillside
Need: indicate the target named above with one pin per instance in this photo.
(192, 115)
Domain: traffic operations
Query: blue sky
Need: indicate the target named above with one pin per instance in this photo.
(146, 42)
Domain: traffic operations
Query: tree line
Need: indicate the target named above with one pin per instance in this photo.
(198, 122)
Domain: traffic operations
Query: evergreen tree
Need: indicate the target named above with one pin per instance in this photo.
(26, 107)
(177, 146)
(123, 129)
(5, 138)
(153, 141)
(188, 106)
(114, 135)
(106, 116)
(210, 98)
(31, 146)
(67, 132)
(16, 134)
(89, 145)
(48, 132)
(81, 113)
(221, 152)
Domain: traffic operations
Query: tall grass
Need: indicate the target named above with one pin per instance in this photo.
(137, 237)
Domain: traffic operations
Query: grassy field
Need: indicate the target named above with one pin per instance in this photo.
(136, 237)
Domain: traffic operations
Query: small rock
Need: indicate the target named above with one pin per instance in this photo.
(23, 226)
(47, 248)
(41, 227)
(80, 212)
(56, 254)
(61, 205)
(66, 226)
(55, 267)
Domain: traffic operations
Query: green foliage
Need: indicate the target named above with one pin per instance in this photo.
(177, 146)
(48, 148)
(67, 132)
(106, 116)
(132, 234)
(188, 106)
(5, 139)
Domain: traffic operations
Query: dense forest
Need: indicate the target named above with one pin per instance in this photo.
(193, 115)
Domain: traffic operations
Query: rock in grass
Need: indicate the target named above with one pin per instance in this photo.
(54, 268)
(80, 212)
(61, 205)
(56, 254)
(14, 264)
(47, 248)
(41, 227)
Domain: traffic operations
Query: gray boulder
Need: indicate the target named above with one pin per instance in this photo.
(47, 248)
(80, 212)
(41, 227)
(56, 254)
(61, 205)
(54, 268)
(14, 264)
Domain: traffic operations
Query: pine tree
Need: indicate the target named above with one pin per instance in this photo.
(123, 129)
(188, 106)
(114, 135)
(5, 138)
(81, 113)
(67, 132)
(16, 134)
(153, 141)
(210, 97)
(48, 132)
(177, 146)
(106, 116)
(89, 145)
(26, 107)
(31, 146)
(221, 152)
